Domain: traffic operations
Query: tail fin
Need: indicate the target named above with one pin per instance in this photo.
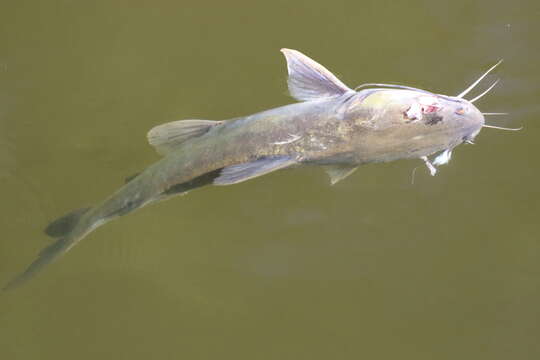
(45, 257)
(60, 228)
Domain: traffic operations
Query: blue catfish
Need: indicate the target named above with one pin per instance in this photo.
(332, 126)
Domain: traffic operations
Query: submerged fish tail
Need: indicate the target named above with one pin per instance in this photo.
(45, 257)
(67, 230)
(71, 228)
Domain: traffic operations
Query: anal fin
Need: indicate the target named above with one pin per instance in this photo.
(241, 172)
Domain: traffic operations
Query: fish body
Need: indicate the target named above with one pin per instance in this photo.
(333, 126)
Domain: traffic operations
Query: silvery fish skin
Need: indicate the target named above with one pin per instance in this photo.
(333, 126)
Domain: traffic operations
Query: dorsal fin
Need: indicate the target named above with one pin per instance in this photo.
(309, 80)
(167, 137)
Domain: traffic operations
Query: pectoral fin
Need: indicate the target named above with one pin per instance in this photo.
(309, 80)
(237, 173)
(443, 158)
(339, 172)
(169, 136)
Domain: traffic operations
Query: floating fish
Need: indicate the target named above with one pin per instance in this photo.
(332, 126)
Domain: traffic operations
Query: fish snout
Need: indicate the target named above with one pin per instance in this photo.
(470, 118)
(457, 118)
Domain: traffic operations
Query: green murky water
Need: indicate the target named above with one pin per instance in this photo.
(284, 266)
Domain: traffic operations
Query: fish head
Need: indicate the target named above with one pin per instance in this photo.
(444, 115)
(405, 123)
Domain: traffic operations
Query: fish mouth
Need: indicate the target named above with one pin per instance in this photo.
(469, 138)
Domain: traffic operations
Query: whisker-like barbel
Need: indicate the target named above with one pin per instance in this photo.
(485, 92)
(404, 87)
(394, 86)
(494, 113)
(502, 128)
(473, 85)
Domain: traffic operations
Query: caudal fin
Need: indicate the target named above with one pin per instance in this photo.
(61, 229)
(45, 257)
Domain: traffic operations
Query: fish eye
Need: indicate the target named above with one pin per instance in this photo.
(460, 111)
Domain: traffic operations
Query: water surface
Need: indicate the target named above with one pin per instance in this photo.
(284, 266)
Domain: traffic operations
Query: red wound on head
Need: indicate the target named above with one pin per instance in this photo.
(424, 105)
(429, 104)
(430, 109)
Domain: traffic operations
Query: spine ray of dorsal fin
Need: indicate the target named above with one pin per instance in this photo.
(169, 136)
(309, 80)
